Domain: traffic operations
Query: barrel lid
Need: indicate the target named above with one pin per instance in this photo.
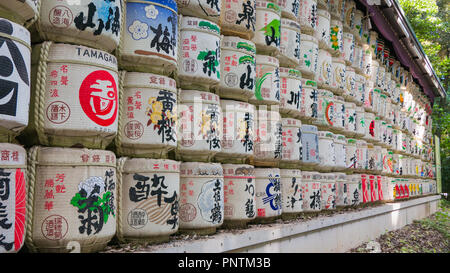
(236, 106)
(149, 80)
(58, 156)
(67, 53)
(200, 96)
(309, 83)
(340, 176)
(340, 139)
(12, 155)
(170, 3)
(200, 169)
(326, 134)
(308, 38)
(268, 5)
(267, 172)
(291, 122)
(266, 60)
(311, 175)
(194, 23)
(243, 170)
(290, 173)
(290, 23)
(142, 165)
(286, 72)
(306, 128)
(13, 31)
(237, 43)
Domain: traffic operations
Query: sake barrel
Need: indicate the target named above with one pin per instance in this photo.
(310, 99)
(328, 191)
(292, 142)
(239, 195)
(199, 61)
(360, 122)
(370, 126)
(382, 187)
(322, 31)
(268, 194)
(147, 116)
(307, 16)
(268, 142)
(376, 100)
(72, 199)
(361, 155)
(374, 72)
(350, 117)
(348, 45)
(338, 76)
(366, 62)
(62, 119)
(373, 188)
(351, 158)
(365, 188)
(371, 158)
(238, 18)
(349, 19)
(358, 24)
(150, 41)
(342, 190)
(340, 152)
(15, 64)
(324, 67)
(380, 50)
(388, 161)
(373, 36)
(238, 74)
(289, 8)
(327, 154)
(354, 189)
(312, 191)
(290, 43)
(378, 129)
(268, 27)
(148, 199)
(380, 77)
(360, 89)
(336, 36)
(96, 24)
(199, 125)
(13, 193)
(350, 84)
(310, 145)
(291, 193)
(201, 208)
(209, 10)
(326, 110)
(337, 9)
(238, 131)
(309, 53)
(339, 114)
(267, 84)
(291, 92)
(21, 12)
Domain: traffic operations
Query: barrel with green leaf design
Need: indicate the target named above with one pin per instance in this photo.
(309, 52)
(237, 69)
(267, 85)
(267, 27)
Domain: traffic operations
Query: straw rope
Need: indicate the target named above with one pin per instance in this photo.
(31, 176)
(119, 226)
(119, 136)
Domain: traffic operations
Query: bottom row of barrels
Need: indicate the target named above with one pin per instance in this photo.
(55, 199)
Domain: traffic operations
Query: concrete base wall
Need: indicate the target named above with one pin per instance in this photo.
(336, 233)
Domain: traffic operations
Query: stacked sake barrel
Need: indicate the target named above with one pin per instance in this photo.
(15, 85)
(63, 70)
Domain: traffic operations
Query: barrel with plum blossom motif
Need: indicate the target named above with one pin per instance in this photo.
(150, 37)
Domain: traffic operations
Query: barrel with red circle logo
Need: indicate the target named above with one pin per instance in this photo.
(75, 98)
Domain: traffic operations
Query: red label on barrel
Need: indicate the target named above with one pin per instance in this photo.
(98, 97)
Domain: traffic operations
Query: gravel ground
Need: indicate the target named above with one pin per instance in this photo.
(429, 235)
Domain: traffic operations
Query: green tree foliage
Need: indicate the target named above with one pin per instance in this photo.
(430, 22)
